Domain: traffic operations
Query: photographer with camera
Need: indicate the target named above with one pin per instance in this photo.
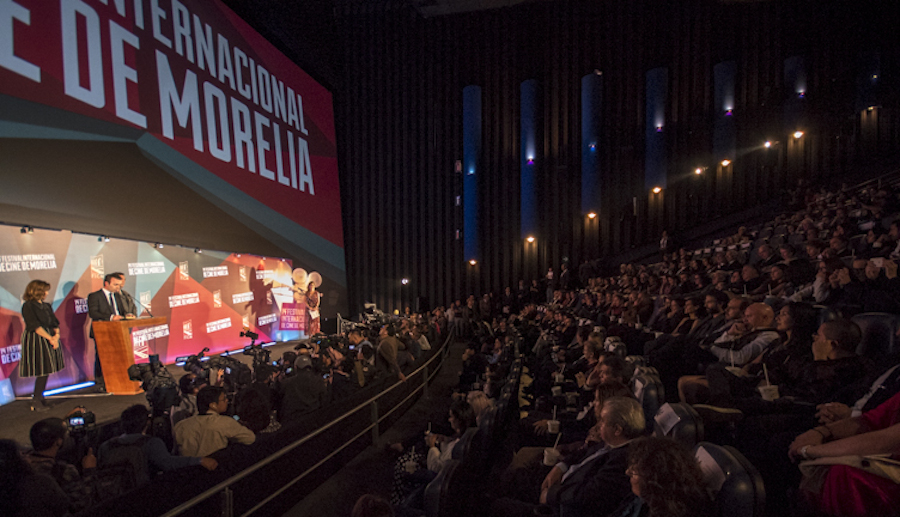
(364, 366)
(48, 436)
(302, 392)
(392, 353)
(212, 430)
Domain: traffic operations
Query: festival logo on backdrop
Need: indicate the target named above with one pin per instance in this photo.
(183, 271)
(147, 300)
(10, 354)
(187, 329)
(97, 272)
(217, 298)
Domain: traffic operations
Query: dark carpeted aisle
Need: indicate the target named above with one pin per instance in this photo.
(372, 470)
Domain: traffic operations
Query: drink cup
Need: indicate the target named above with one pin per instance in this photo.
(769, 392)
(551, 456)
(735, 370)
(553, 426)
(556, 391)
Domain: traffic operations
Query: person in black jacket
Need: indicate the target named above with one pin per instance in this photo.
(595, 483)
(304, 391)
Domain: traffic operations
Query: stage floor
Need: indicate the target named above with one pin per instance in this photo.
(17, 417)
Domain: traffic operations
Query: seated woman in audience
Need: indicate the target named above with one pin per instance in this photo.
(666, 481)
(480, 404)
(777, 284)
(412, 472)
(694, 312)
(853, 487)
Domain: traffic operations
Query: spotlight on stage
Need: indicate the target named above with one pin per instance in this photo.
(798, 134)
(768, 144)
(592, 215)
(657, 190)
(698, 171)
(404, 281)
(530, 239)
(472, 262)
(726, 163)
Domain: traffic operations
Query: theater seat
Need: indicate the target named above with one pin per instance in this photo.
(688, 429)
(737, 485)
(443, 497)
(879, 334)
(648, 391)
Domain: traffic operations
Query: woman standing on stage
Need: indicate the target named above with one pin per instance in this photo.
(41, 353)
(312, 305)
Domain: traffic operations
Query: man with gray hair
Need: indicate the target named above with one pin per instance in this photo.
(594, 482)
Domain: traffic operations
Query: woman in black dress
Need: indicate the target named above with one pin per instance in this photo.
(41, 353)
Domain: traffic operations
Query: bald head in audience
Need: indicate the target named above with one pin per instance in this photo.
(759, 316)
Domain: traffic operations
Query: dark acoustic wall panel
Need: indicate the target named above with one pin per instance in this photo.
(399, 111)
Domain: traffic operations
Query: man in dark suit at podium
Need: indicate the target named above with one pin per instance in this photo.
(108, 304)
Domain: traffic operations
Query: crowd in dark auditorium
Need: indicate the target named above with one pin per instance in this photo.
(755, 375)
(212, 423)
(757, 372)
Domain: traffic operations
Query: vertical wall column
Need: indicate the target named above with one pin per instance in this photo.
(591, 179)
(655, 156)
(724, 143)
(795, 121)
(471, 163)
(528, 162)
(868, 101)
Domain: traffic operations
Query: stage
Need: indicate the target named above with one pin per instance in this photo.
(18, 418)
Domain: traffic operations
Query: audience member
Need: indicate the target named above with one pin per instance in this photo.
(48, 436)
(211, 430)
(24, 493)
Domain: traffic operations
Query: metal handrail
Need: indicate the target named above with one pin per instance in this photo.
(442, 354)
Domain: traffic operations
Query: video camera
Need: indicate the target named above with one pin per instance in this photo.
(81, 421)
(157, 383)
(234, 374)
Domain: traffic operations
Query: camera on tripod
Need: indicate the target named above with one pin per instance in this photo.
(157, 383)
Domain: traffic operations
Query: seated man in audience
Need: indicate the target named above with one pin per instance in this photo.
(135, 423)
(675, 356)
(744, 341)
(594, 483)
(748, 338)
(48, 436)
(212, 430)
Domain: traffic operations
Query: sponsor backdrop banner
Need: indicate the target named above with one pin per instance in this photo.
(207, 298)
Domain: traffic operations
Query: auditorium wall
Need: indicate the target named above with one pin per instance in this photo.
(400, 120)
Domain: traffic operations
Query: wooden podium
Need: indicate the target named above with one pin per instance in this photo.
(116, 352)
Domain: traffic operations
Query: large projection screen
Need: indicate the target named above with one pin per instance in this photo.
(163, 121)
